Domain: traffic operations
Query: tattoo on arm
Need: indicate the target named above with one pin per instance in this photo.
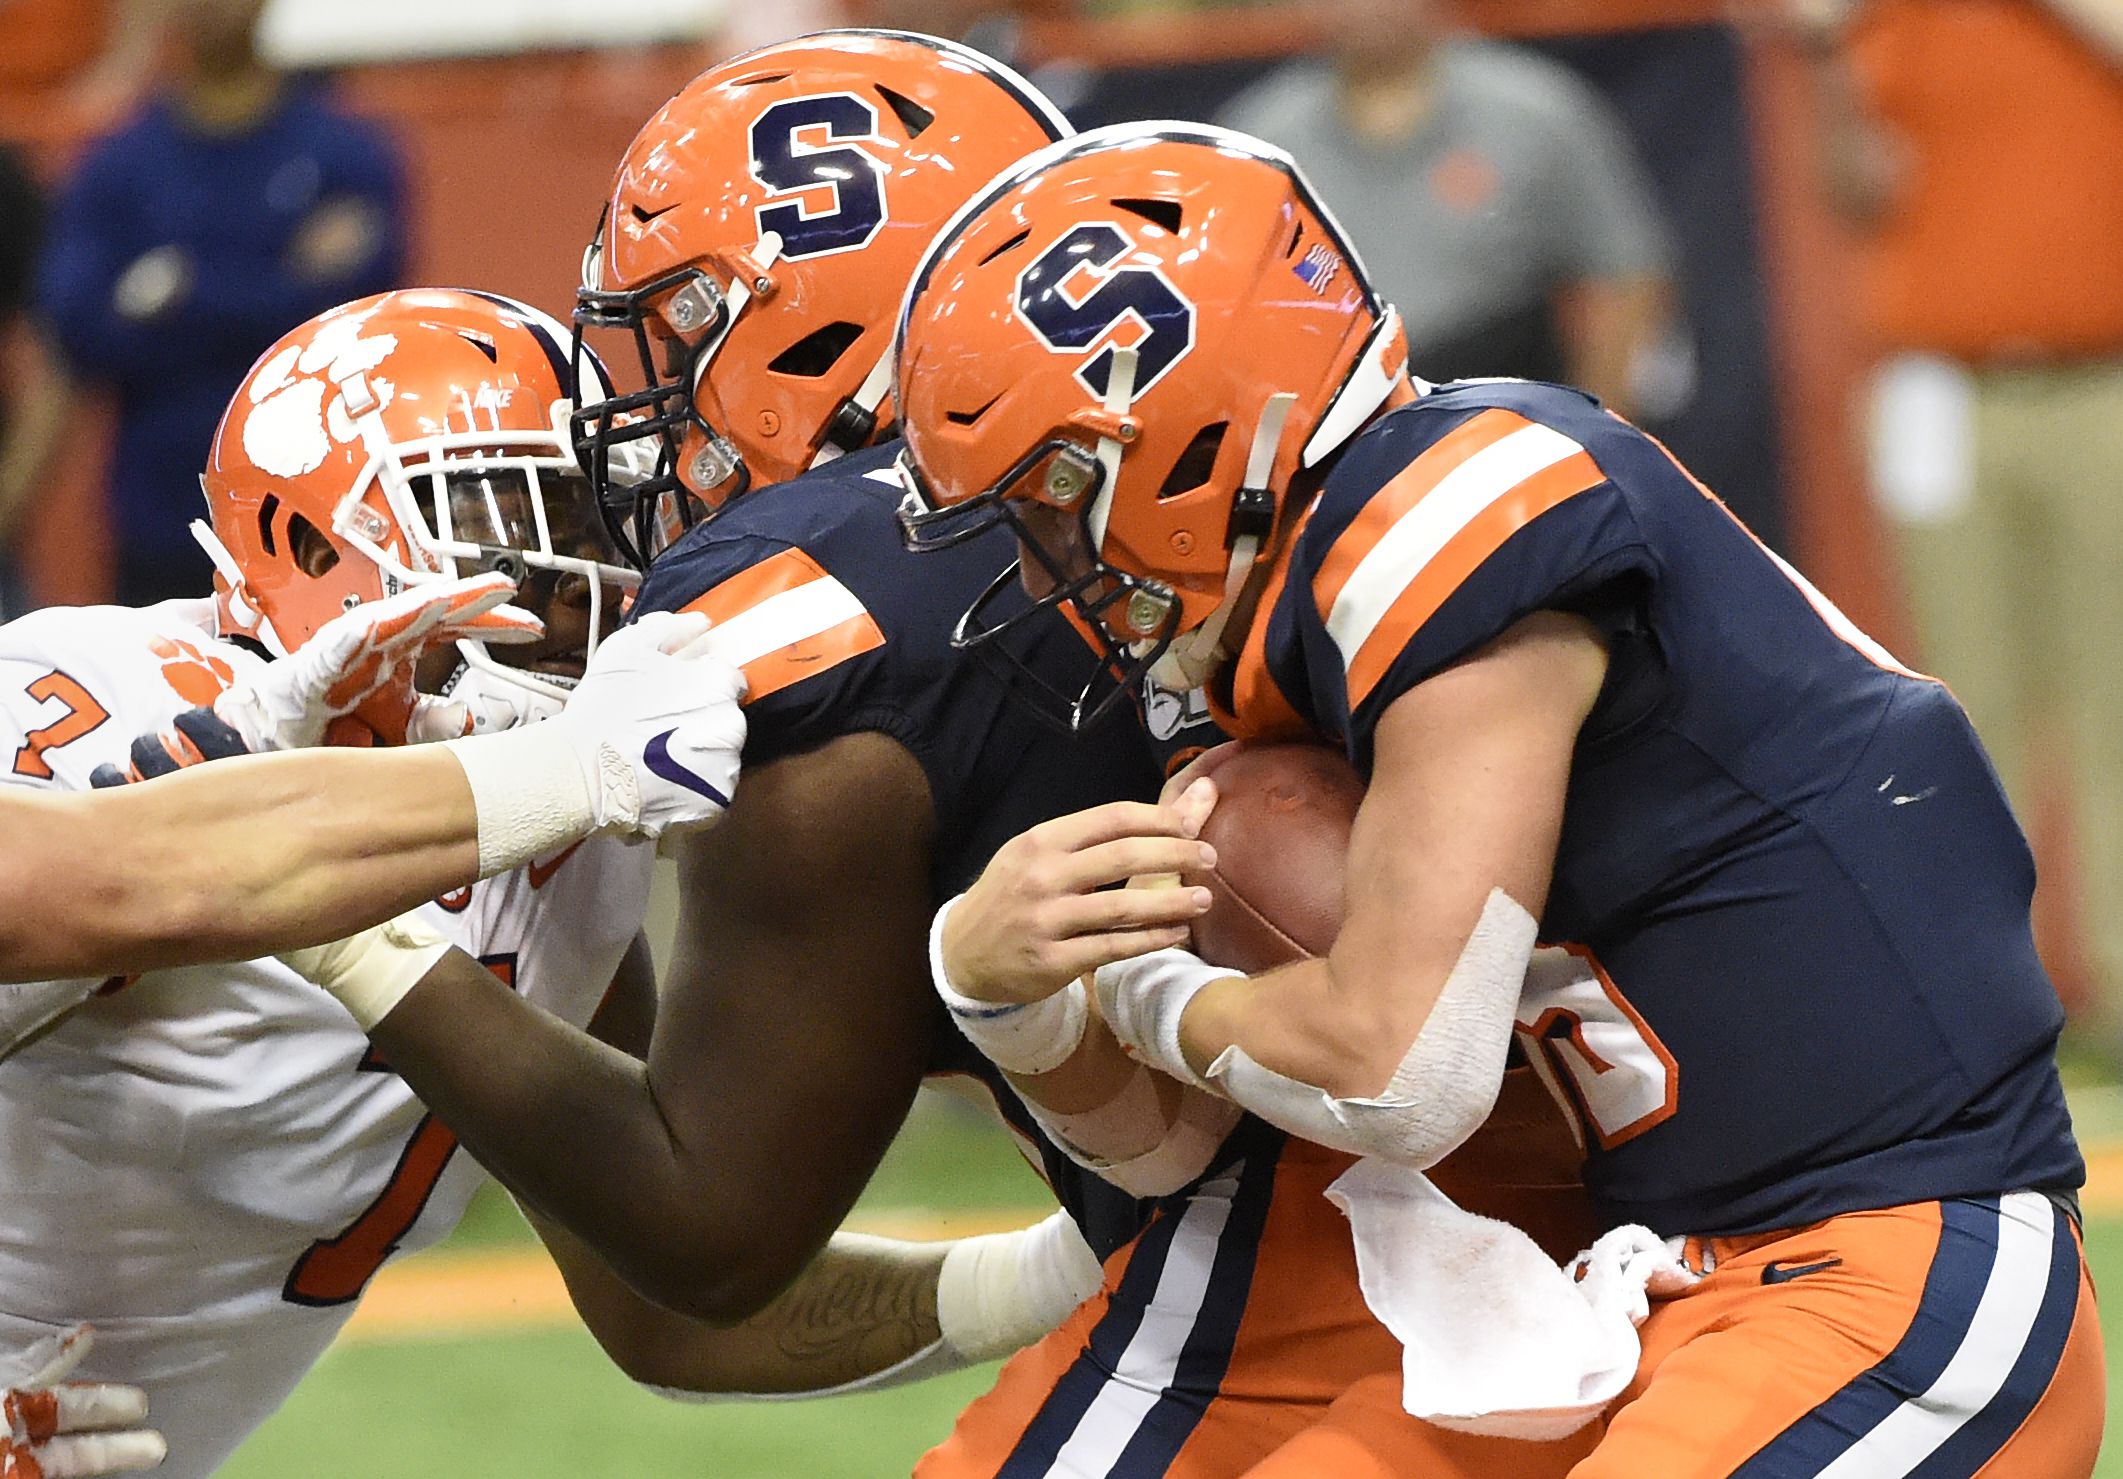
(856, 1310)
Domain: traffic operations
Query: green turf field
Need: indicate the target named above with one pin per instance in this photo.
(547, 1403)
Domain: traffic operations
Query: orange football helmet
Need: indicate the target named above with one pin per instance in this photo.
(757, 237)
(415, 435)
(1127, 348)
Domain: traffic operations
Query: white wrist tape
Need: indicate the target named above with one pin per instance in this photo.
(1001, 1292)
(1142, 1000)
(1025, 1038)
(1446, 1084)
(372, 971)
(529, 793)
(1128, 1141)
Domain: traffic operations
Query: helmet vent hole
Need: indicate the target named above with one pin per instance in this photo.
(1197, 463)
(761, 80)
(967, 418)
(1009, 246)
(313, 553)
(816, 352)
(266, 511)
(483, 344)
(913, 117)
(1297, 234)
(1161, 213)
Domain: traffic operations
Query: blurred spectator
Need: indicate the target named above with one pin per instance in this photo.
(28, 393)
(1495, 199)
(1982, 144)
(236, 203)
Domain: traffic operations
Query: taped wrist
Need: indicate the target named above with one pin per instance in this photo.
(1446, 1084)
(1000, 1292)
(372, 971)
(1025, 1038)
(1130, 1143)
(530, 793)
(1143, 999)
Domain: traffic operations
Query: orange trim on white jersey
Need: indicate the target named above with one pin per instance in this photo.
(1432, 526)
(784, 620)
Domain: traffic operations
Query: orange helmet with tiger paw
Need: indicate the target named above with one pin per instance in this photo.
(414, 435)
(755, 244)
(1128, 347)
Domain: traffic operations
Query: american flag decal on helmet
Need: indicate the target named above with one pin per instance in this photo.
(1318, 267)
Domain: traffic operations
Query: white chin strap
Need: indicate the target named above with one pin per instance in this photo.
(1193, 656)
(250, 621)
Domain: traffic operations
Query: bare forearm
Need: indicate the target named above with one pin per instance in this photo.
(574, 1128)
(229, 861)
(860, 1307)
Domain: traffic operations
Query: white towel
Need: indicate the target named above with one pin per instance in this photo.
(1495, 1338)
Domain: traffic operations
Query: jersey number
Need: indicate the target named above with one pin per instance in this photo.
(82, 714)
(851, 177)
(1068, 320)
(1593, 1049)
(336, 1270)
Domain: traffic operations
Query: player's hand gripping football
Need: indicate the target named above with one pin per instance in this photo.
(657, 725)
(1043, 912)
(360, 663)
(59, 1429)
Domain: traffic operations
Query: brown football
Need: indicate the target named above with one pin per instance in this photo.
(1281, 834)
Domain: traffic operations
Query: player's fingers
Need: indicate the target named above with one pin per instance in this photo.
(355, 684)
(85, 1406)
(1129, 857)
(53, 1356)
(681, 633)
(84, 1455)
(1129, 909)
(211, 735)
(1108, 823)
(162, 754)
(504, 624)
(1086, 953)
(1194, 803)
(102, 778)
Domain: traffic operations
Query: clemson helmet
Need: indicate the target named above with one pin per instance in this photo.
(1127, 348)
(414, 435)
(756, 239)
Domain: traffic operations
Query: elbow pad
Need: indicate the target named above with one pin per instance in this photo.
(1446, 1084)
(1128, 1142)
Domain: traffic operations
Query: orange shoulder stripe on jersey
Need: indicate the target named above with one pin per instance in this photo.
(1476, 541)
(786, 619)
(1403, 492)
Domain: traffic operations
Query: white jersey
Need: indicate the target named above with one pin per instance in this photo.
(209, 1164)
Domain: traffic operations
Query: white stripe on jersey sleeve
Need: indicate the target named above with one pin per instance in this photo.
(1406, 549)
(783, 620)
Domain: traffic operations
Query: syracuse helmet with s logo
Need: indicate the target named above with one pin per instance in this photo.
(1127, 348)
(756, 239)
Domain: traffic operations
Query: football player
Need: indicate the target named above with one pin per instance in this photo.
(754, 244)
(291, 864)
(1807, 1030)
(213, 1189)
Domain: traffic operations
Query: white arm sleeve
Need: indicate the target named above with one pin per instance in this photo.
(1128, 1141)
(1446, 1084)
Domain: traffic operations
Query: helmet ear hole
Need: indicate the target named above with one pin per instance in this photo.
(1197, 463)
(913, 117)
(817, 352)
(312, 550)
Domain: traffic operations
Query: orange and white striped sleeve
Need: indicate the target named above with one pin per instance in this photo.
(1434, 530)
(786, 619)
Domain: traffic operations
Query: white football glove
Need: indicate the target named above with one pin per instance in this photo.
(658, 726)
(649, 742)
(363, 659)
(58, 1429)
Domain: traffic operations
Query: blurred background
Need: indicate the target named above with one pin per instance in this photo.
(1859, 262)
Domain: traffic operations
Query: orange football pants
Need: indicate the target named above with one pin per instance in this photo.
(1233, 1325)
(1935, 1341)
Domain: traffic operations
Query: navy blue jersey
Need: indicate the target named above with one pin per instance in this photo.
(841, 630)
(1801, 977)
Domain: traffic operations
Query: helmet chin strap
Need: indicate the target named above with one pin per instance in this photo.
(250, 621)
(854, 420)
(1120, 394)
(1193, 656)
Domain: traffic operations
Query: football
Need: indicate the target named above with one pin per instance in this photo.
(1281, 834)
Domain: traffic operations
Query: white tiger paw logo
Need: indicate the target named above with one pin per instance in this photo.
(290, 430)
